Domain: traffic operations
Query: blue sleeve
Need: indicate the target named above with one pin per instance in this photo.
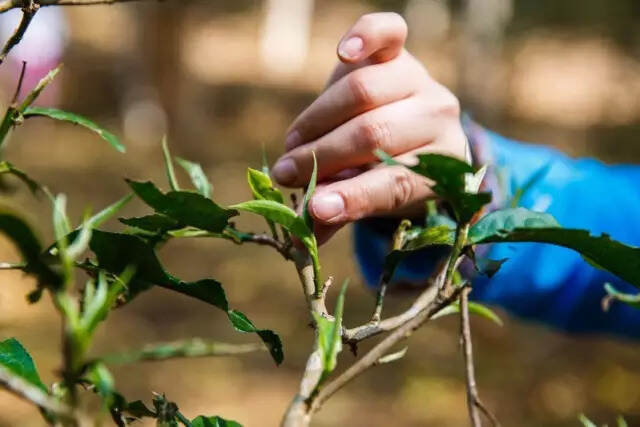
(541, 282)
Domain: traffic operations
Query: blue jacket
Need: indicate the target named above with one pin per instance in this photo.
(540, 282)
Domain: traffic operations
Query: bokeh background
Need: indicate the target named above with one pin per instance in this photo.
(223, 77)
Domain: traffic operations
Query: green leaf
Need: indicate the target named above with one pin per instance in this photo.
(520, 192)
(621, 422)
(329, 335)
(262, 188)
(56, 114)
(101, 378)
(278, 213)
(504, 221)
(198, 178)
(422, 237)
(489, 267)
(17, 360)
(474, 308)
(42, 84)
(265, 162)
(521, 225)
(8, 168)
(138, 409)
(309, 193)
(185, 207)
(168, 164)
(242, 323)
(449, 175)
(155, 223)
(203, 421)
(107, 213)
(586, 422)
(115, 252)
(21, 234)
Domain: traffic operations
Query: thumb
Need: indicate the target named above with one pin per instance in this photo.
(378, 37)
(380, 191)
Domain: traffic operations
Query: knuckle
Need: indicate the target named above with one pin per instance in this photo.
(358, 85)
(399, 22)
(403, 183)
(356, 201)
(373, 135)
(448, 105)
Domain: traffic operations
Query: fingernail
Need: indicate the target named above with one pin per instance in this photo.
(285, 171)
(328, 207)
(351, 48)
(292, 140)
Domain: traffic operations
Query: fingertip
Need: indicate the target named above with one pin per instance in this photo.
(328, 207)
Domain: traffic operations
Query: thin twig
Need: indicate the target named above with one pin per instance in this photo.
(14, 4)
(29, 9)
(373, 356)
(298, 414)
(13, 266)
(467, 349)
(27, 391)
(354, 335)
(266, 240)
(20, 81)
(389, 270)
(473, 399)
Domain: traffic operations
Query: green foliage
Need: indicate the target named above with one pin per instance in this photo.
(520, 192)
(521, 225)
(330, 335)
(197, 175)
(185, 207)
(262, 188)
(116, 252)
(17, 360)
(474, 308)
(203, 421)
(168, 164)
(309, 193)
(504, 221)
(76, 119)
(419, 237)
(21, 234)
(586, 422)
(156, 223)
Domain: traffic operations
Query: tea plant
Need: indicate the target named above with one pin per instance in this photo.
(121, 266)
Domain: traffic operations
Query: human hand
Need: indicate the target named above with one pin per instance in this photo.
(378, 97)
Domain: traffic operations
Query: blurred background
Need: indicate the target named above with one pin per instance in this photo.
(223, 77)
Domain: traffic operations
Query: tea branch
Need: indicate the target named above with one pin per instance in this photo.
(27, 391)
(29, 9)
(14, 4)
(191, 348)
(474, 403)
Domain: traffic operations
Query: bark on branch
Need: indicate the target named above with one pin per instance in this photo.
(27, 391)
(474, 404)
(14, 4)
